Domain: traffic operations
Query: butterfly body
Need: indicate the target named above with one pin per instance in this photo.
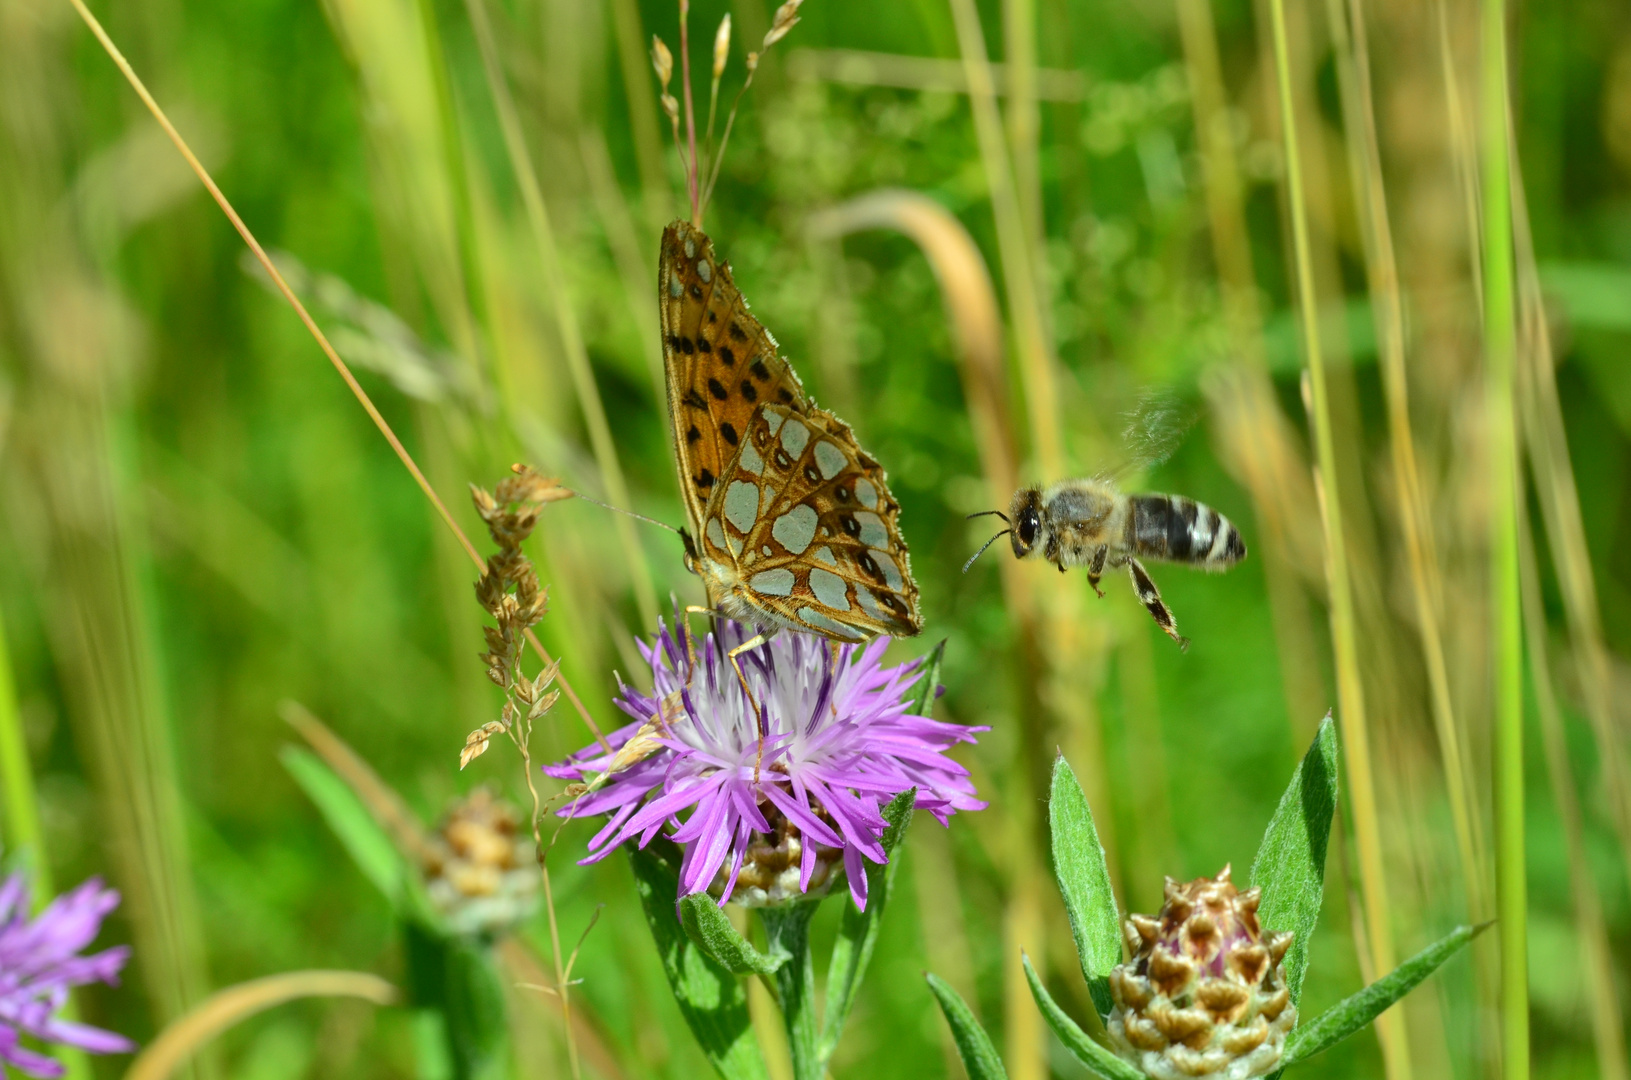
(791, 524)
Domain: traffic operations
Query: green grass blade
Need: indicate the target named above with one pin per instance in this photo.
(859, 931)
(1290, 863)
(1355, 1012)
(1084, 882)
(369, 845)
(1101, 1061)
(713, 932)
(973, 1044)
(711, 999)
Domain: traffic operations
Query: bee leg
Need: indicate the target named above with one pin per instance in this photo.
(1150, 597)
(758, 710)
(1096, 569)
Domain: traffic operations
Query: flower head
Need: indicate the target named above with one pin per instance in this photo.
(767, 816)
(1204, 995)
(39, 963)
(479, 869)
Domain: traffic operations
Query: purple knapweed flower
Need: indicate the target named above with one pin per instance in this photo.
(767, 824)
(39, 963)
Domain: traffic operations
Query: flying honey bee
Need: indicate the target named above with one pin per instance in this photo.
(1090, 523)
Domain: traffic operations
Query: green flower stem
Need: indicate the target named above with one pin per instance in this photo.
(22, 820)
(787, 930)
(1500, 349)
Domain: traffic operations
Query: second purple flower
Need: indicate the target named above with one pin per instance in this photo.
(763, 826)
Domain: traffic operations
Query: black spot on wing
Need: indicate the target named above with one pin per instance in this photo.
(728, 431)
(717, 389)
(748, 392)
(727, 355)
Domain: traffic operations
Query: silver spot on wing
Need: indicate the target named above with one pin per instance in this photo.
(870, 605)
(690, 248)
(773, 420)
(866, 494)
(829, 459)
(772, 582)
(873, 534)
(824, 554)
(818, 622)
(891, 572)
(742, 505)
(830, 589)
(704, 271)
(675, 289)
(795, 529)
(716, 534)
(795, 436)
(751, 461)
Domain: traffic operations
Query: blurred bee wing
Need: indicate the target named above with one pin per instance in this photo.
(1152, 430)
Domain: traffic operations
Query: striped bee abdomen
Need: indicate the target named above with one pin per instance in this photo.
(1177, 529)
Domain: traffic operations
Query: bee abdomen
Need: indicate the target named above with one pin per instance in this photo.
(1178, 529)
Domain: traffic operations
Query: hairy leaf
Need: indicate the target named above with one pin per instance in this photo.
(1290, 863)
(1084, 881)
(1081, 1045)
(711, 929)
(974, 1046)
(711, 999)
(1352, 1013)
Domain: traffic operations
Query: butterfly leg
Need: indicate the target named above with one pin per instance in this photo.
(758, 710)
(1150, 597)
(1095, 569)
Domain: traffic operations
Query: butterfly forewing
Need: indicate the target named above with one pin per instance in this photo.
(721, 363)
(794, 524)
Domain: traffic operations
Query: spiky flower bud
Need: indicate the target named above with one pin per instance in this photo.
(1204, 995)
(479, 869)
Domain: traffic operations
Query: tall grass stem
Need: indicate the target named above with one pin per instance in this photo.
(1500, 348)
(1344, 630)
(340, 365)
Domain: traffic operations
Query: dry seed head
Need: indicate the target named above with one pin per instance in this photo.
(786, 17)
(475, 744)
(478, 871)
(662, 61)
(722, 46)
(1204, 994)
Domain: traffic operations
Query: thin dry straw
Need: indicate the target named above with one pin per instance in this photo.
(1387, 306)
(566, 319)
(1506, 656)
(226, 1008)
(305, 317)
(1350, 690)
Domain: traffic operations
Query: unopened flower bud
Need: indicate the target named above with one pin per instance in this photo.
(662, 61)
(1204, 994)
(722, 45)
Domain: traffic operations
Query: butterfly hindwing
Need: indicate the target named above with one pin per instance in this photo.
(809, 523)
(721, 364)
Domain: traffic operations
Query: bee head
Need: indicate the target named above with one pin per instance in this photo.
(1025, 517)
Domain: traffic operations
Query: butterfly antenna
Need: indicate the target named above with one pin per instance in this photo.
(629, 513)
(985, 545)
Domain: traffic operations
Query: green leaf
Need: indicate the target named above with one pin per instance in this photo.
(980, 1058)
(1084, 881)
(1290, 863)
(922, 699)
(711, 929)
(369, 845)
(456, 979)
(1098, 1060)
(1353, 1013)
(858, 932)
(711, 999)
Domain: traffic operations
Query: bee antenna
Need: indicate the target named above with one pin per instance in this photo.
(988, 513)
(985, 545)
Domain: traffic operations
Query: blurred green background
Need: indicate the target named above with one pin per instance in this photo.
(198, 522)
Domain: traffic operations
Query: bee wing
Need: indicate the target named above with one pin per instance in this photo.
(1152, 430)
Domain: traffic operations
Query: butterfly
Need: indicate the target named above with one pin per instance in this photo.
(791, 523)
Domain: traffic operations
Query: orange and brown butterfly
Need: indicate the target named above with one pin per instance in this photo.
(791, 523)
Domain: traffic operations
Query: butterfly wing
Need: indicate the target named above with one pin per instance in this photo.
(721, 364)
(807, 520)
